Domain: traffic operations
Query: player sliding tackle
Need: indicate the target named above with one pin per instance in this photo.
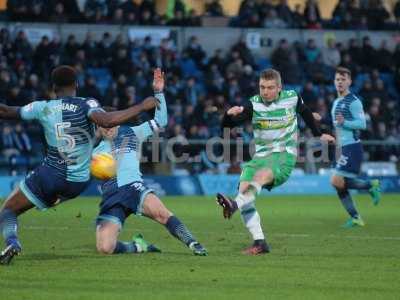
(273, 114)
(348, 115)
(126, 194)
(69, 127)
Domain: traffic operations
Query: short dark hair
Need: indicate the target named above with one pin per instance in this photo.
(343, 71)
(64, 76)
(271, 74)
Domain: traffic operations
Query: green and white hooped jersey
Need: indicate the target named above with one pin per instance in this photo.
(275, 124)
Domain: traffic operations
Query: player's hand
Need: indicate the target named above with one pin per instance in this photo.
(317, 116)
(327, 138)
(158, 80)
(234, 111)
(150, 103)
(339, 119)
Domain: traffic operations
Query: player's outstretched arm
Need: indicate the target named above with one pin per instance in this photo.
(310, 120)
(237, 115)
(9, 112)
(112, 119)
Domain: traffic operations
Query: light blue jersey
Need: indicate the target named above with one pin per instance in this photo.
(69, 134)
(126, 145)
(352, 110)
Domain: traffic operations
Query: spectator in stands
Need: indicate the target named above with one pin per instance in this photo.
(196, 51)
(312, 15)
(214, 9)
(22, 140)
(339, 13)
(368, 54)
(178, 19)
(193, 19)
(89, 89)
(191, 91)
(298, 18)
(8, 144)
(377, 15)
(311, 51)
(59, 15)
(280, 57)
(384, 61)
(272, 20)
(331, 55)
(42, 57)
(95, 10)
(285, 13)
(263, 8)
(22, 48)
(71, 47)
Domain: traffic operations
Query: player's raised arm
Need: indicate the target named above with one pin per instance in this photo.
(9, 112)
(237, 115)
(310, 121)
(160, 116)
(160, 120)
(111, 119)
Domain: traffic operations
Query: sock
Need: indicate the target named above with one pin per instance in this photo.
(179, 230)
(348, 203)
(357, 184)
(251, 220)
(126, 247)
(9, 226)
(243, 199)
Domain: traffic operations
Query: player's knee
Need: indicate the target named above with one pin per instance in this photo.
(162, 216)
(337, 182)
(264, 176)
(106, 248)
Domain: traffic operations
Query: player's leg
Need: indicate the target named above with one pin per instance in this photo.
(153, 208)
(16, 204)
(109, 224)
(339, 183)
(349, 165)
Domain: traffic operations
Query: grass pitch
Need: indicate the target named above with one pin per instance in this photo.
(312, 257)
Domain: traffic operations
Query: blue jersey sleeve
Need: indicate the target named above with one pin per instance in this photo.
(357, 112)
(91, 105)
(32, 111)
(160, 120)
(103, 147)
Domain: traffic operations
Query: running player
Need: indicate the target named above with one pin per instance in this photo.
(273, 114)
(348, 118)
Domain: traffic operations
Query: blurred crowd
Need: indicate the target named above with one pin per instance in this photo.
(199, 87)
(348, 14)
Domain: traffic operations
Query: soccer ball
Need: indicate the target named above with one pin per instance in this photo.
(103, 166)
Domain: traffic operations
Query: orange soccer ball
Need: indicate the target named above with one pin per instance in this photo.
(103, 166)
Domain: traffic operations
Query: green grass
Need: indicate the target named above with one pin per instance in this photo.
(312, 257)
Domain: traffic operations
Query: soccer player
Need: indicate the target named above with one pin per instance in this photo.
(126, 194)
(273, 114)
(348, 118)
(69, 127)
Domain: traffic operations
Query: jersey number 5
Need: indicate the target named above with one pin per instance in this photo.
(67, 141)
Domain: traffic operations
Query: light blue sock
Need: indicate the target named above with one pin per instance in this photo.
(9, 226)
(348, 203)
(357, 184)
(125, 247)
